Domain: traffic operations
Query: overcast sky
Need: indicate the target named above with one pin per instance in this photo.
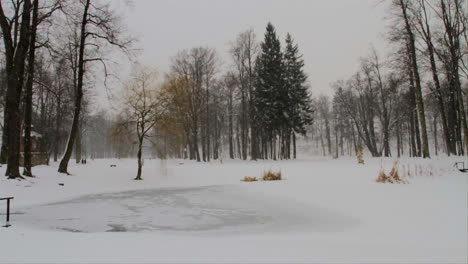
(331, 35)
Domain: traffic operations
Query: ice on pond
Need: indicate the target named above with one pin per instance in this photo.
(217, 209)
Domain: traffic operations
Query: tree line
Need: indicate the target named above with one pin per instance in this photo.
(252, 111)
(411, 102)
(51, 50)
(55, 51)
(255, 110)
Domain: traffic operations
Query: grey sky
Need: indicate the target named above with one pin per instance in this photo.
(332, 35)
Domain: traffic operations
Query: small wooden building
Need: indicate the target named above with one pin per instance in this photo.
(35, 142)
(38, 157)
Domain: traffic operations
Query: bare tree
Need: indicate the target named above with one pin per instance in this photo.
(454, 19)
(244, 52)
(404, 6)
(196, 68)
(37, 18)
(426, 34)
(98, 27)
(323, 106)
(29, 83)
(230, 84)
(144, 106)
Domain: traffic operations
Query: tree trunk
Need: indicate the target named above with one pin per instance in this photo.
(57, 128)
(322, 143)
(239, 149)
(328, 136)
(436, 145)
(414, 127)
(398, 135)
(294, 145)
(353, 135)
(243, 122)
(4, 148)
(195, 144)
(417, 134)
(253, 138)
(372, 136)
(208, 126)
(140, 162)
(29, 92)
(412, 150)
(231, 129)
(15, 66)
(63, 167)
(203, 140)
(336, 141)
(78, 144)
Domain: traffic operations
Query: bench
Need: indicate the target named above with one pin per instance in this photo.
(462, 168)
(8, 210)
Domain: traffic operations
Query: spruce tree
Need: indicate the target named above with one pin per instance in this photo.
(268, 86)
(299, 109)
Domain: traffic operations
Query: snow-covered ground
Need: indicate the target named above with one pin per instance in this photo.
(324, 211)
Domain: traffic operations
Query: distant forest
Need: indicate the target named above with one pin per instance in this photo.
(411, 101)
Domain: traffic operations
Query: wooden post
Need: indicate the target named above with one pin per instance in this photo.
(7, 211)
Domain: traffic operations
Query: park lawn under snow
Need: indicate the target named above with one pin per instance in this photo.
(324, 211)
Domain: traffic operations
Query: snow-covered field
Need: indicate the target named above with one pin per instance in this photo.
(324, 211)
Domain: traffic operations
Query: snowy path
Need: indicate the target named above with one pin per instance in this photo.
(325, 211)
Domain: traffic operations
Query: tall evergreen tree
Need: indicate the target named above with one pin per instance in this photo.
(299, 109)
(268, 87)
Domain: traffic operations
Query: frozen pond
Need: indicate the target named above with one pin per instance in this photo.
(230, 209)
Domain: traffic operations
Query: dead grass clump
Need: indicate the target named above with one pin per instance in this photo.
(393, 177)
(360, 155)
(249, 179)
(272, 176)
(394, 174)
(383, 178)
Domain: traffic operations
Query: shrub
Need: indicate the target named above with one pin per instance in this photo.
(249, 179)
(272, 176)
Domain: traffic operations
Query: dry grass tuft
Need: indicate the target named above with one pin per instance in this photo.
(272, 176)
(249, 179)
(383, 178)
(393, 177)
(360, 155)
